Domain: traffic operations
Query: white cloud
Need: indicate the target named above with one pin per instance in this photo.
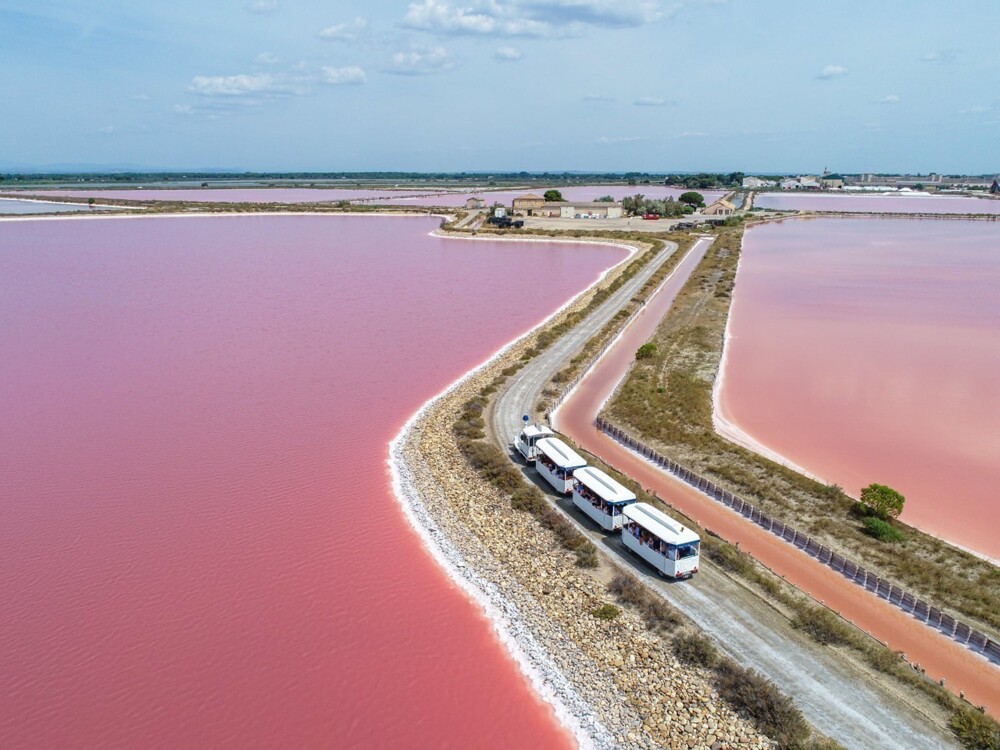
(244, 85)
(606, 13)
(108, 129)
(183, 109)
(598, 98)
(529, 18)
(268, 58)
(891, 99)
(940, 56)
(650, 101)
(978, 109)
(508, 54)
(692, 134)
(417, 62)
(604, 139)
(832, 71)
(263, 6)
(349, 75)
(140, 97)
(345, 32)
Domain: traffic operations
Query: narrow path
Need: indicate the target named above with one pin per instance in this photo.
(524, 390)
(835, 697)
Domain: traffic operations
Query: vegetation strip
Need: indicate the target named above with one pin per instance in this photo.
(667, 400)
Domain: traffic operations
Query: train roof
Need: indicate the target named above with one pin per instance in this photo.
(534, 430)
(659, 524)
(607, 488)
(560, 454)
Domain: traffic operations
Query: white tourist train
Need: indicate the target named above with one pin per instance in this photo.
(667, 545)
(531, 434)
(601, 497)
(556, 462)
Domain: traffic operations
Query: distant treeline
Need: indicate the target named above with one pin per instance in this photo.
(694, 180)
(699, 180)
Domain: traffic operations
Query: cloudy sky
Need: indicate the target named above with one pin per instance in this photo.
(453, 85)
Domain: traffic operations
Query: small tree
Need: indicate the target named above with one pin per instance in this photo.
(881, 501)
(552, 195)
(692, 198)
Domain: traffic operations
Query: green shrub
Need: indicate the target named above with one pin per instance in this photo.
(771, 711)
(606, 612)
(883, 659)
(822, 625)
(882, 530)
(645, 351)
(975, 729)
(695, 649)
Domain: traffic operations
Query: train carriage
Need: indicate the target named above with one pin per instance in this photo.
(556, 462)
(601, 497)
(666, 544)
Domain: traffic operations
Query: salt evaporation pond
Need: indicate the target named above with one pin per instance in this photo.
(867, 350)
(902, 204)
(200, 546)
(242, 195)
(389, 197)
(13, 206)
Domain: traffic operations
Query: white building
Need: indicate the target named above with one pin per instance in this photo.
(757, 182)
(790, 183)
(590, 210)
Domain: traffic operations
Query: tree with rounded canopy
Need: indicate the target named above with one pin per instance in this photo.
(881, 501)
(692, 198)
(552, 195)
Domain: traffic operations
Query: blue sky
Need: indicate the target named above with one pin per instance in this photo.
(502, 85)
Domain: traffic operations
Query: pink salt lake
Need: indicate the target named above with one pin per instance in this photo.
(199, 541)
(868, 351)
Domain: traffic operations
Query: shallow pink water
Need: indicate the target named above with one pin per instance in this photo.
(394, 197)
(867, 351)
(239, 195)
(198, 539)
(920, 204)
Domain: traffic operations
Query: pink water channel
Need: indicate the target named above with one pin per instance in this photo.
(902, 204)
(390, 197)
(867, 350)
(199, 541)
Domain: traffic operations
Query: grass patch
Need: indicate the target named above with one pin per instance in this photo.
(606, 612)
(822, 625)
(760, 700)
(695, 649)
(658, 616)
(975, 730)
